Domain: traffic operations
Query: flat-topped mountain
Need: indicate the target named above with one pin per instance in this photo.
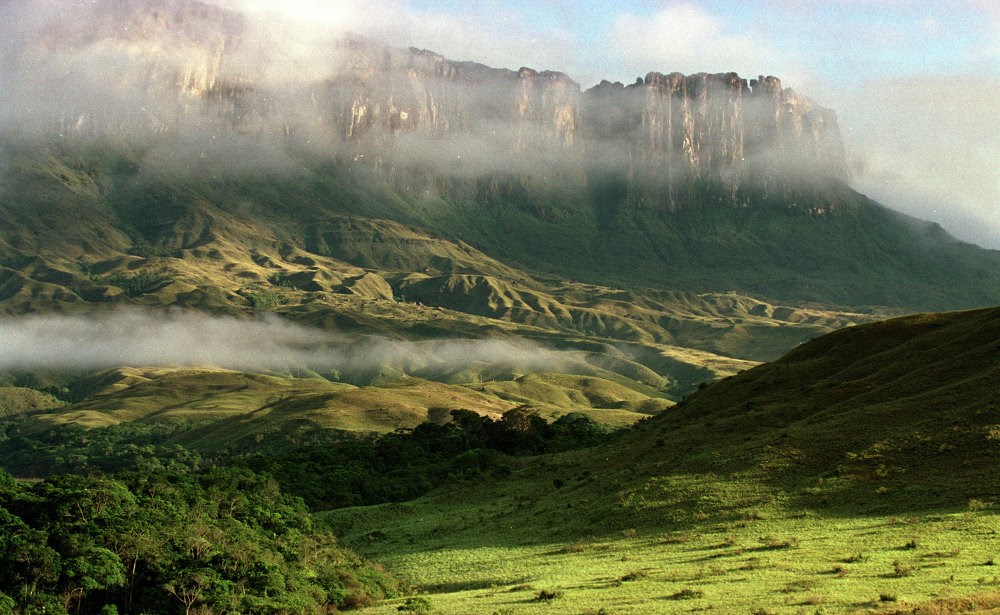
(127, 70)
(178, 125)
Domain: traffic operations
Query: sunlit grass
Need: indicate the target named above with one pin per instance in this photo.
(779, 564)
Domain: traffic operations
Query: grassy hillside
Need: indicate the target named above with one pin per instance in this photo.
(215, 410)
(91, 230)
(856, 473)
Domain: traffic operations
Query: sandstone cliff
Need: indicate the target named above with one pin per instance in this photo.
(663, 135)
(180, 66)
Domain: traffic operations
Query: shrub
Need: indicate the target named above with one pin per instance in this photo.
(770, 542)
(900, 569)
(577, 547)
(633, 575)
(416, 604)
(687, 594)
(260, 298)
(136, 284)
(545, 595)
(976, 504)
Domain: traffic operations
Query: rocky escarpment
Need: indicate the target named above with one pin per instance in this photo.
(674, 131)
(424, 121)
(662, 139)
(382, 91)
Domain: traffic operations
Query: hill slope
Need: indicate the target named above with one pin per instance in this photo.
(89, 231)
(857, 472)
(859, 420)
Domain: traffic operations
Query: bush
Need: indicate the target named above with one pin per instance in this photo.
(416, 604)
(900, 569)
(687, 594)
(770, 542)
(548, 596)
(136, 284)
(260, 298)
(634, 575)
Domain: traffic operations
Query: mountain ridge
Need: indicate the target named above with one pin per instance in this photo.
(484, 211)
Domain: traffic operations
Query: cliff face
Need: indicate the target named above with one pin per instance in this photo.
(381, 92)
(674, 130)
(180, 65)
(665, 133)
(115, 67)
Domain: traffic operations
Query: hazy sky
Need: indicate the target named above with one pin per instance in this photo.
(914, 82)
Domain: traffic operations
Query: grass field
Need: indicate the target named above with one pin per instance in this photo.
(856, 474)
(518, 549)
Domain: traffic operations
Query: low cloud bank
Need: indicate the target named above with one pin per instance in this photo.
(177, 339)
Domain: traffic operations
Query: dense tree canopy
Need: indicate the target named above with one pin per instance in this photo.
(221, 541)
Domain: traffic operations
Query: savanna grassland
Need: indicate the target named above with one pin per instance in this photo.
(854, 475)
(316, 389)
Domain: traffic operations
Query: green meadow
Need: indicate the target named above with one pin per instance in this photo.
(771, 563)
(856, 474)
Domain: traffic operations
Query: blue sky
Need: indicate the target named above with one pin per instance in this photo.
(820, 40)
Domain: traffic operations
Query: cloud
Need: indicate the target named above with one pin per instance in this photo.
(928, 147)
(86, 68)
(687, 38)
(180, 338)
(492, 33)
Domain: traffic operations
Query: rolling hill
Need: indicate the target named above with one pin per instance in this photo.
(859, 465)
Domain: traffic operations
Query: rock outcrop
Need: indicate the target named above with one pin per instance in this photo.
(425, 121)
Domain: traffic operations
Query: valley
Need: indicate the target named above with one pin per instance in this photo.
(386, 331)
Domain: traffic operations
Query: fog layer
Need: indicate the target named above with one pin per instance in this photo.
(179, 338)
(227, 85)
(930, 147)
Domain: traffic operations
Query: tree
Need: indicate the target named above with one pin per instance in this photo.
(191, 586)
(94, 568)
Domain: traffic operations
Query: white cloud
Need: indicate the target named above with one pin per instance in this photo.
(687, 38)
(179, 338)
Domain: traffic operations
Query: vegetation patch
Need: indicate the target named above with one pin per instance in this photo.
(546, 595)
(687, 594)
(162, 541)
(138, 283)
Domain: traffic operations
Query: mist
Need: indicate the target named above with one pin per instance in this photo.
(177, 338)
(929, 147)
(248, 86)
(252, 86)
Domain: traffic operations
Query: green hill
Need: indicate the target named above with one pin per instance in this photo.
(855, 472)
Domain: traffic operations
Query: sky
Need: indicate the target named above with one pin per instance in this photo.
(913, 81)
